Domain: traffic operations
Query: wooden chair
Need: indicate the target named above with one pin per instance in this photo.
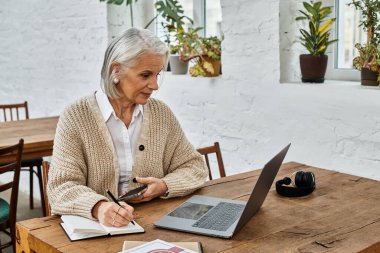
(8, 211)
(45, 171)
(12, 112)
(209, 150)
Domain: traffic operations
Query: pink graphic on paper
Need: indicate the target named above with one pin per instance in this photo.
(171, 250)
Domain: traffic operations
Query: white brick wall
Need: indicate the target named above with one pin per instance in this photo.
(51, 53)
(334, 126)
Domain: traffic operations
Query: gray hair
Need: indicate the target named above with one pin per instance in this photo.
(125, 50)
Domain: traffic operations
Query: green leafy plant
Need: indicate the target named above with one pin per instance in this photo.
(369, 9)
(368, 57)
(187, 44)
(209, 48)
(191, 47)
(369, 54)
(317, 38)
(172, 14)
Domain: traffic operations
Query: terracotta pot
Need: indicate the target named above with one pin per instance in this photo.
(369, 77)
(313, 68)
(215, 64)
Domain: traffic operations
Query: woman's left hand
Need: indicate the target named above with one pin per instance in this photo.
(156, 188)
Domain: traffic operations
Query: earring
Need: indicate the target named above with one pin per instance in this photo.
(116, 80)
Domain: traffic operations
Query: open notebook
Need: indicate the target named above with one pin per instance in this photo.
(78, 228)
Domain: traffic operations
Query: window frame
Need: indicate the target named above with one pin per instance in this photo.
(332, 71)
(199, 14)
(199, 17)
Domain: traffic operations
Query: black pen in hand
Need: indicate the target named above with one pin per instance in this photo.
(117, 202)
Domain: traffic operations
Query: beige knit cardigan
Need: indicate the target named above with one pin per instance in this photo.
(84, 164)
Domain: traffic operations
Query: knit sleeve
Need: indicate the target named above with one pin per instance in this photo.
(187, 170)
(67, 190)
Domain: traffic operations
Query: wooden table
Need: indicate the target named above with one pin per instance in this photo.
(38, 135)
(341, 215)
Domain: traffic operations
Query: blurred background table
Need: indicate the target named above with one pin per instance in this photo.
(38, 135)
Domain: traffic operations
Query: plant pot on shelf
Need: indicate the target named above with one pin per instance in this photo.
(177, 66)
(313, 68)
(215, 71)
(369, 77)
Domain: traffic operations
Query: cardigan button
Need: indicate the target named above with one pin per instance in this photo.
(141, 147)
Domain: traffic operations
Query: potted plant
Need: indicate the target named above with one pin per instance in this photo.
(316, 40)
(204, 52)
(207, 61)
(185, 46)
(177, 66)
(173, 23)
(367, 61)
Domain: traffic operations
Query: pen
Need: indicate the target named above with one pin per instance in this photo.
(117, 202)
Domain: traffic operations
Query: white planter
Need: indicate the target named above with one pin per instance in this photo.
(177, 66)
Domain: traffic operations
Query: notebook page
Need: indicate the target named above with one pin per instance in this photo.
(123, 230)
(77, 224)
(77, 236)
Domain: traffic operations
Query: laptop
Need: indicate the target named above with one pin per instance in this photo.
(222, 217)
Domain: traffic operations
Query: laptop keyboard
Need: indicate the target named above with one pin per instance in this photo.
(221, 217)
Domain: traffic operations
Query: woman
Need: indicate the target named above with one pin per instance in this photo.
(119, 138)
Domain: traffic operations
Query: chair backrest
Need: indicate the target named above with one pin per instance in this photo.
(10, 112)
(14, 167)
(213, 149)
(45, 173)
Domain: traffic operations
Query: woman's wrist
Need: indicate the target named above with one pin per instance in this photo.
(95, 209)
(166, 192)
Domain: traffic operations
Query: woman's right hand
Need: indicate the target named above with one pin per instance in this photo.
(111, 214)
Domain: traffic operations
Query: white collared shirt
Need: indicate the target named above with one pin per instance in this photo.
(124, 139)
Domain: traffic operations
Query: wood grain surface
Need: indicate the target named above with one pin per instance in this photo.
(38, 135)
(341, 215)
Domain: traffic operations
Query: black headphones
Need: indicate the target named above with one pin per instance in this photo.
(303, 184)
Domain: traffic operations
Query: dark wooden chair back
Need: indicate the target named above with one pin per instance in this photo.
(210, 150)
(14, 112)
(11, 112)
(8, 219)
(45, 172)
